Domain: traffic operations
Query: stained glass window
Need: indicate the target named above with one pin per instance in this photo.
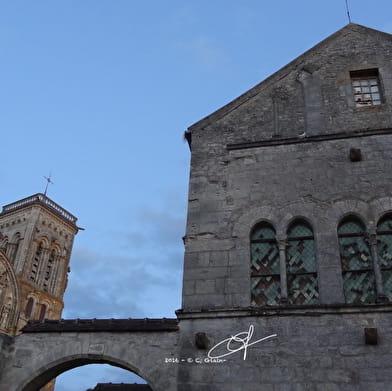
(265, 266)
(357, 264)
(384, 247)
(301, 265)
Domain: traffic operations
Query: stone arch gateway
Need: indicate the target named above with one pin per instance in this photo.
(47, 373)
(139, 346)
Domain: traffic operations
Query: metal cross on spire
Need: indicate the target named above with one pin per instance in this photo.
(48, 180)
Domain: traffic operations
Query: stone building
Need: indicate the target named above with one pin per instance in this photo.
(290, 222)
(288, 247)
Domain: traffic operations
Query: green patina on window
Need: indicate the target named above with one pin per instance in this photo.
(357, 266)
(384, 247)
(301, 265)
(265, 269)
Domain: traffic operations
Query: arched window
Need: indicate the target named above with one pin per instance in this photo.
(29, 307)
(42, 311)
(265, 266)
(301, 265)
(49, 269)
(36, 260)
(357, 265)
(384, 247)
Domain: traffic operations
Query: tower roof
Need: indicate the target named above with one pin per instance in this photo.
(43, 201)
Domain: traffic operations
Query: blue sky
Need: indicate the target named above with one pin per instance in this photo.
(99, 92)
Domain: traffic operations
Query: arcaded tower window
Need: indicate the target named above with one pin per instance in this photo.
(301, 266)
(48, 273)
(366, 87)
(36, 260)
(265, 265)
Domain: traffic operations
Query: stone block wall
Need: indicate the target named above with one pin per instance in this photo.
(321, 350)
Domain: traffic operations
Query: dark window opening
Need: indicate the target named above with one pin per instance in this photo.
(29, 307)
(42, 312)
(366, 87)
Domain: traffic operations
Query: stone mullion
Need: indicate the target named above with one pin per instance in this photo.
(282, 244)
(376, 267)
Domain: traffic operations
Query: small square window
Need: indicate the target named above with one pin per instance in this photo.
(366, 87)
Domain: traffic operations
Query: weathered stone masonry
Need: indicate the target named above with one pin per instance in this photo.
(280, 153)
(242, 171)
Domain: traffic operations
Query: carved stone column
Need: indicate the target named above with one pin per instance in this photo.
(381, 297)
(282, 244)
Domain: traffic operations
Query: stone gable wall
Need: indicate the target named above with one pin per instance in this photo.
(300, 169)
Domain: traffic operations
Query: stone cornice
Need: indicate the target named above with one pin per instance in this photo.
(309, 139)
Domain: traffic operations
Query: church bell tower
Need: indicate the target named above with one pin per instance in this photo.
(36, 238)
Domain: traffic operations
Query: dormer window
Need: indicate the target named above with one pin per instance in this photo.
(366, 87)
